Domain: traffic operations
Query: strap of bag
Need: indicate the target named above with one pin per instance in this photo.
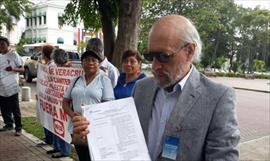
(73, 87)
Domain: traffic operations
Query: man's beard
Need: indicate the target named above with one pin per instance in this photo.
(169, 79)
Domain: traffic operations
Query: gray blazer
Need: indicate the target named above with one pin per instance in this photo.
(204, 118)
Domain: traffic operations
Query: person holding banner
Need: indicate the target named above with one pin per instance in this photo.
(60, 147)
(61, 58)
(184, 115)
(46, 53)
(91, 88)
(131, 64)
(10, 65)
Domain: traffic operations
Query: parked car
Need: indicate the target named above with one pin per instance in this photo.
(31, 65)
(25, 56)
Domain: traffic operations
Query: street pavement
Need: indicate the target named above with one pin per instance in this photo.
(23, 148)
(253, 112)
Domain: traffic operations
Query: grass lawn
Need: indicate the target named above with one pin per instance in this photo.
(32, 126)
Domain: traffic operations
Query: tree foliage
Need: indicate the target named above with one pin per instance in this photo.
(259, 65)
(19, 46)
(108, 14)
(227, 30)
(253, 36)
(11, 10)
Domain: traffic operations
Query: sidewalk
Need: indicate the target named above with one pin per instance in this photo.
(23, 148)
(259, 85)
(257, 149)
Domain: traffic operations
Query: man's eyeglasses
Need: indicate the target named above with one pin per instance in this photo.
(162, 57)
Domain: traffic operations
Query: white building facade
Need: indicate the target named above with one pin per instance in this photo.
(43, 25)
(15, 34)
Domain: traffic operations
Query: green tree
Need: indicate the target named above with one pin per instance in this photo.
(221, 62)
(226, 29)
(82, 46)
(236, 67)
(215, 22)
(259, 65)
(154, 9)
(254, 36)
(213, 19)
(11, 10)
(107, 14)
(19, 46)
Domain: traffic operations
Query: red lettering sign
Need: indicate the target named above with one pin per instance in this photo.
(59, 127)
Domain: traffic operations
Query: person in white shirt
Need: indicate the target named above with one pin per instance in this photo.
(111, 71)
(11, 65)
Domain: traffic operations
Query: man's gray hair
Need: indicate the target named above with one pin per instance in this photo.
(60, 57)
(191, 35)
(96, 45)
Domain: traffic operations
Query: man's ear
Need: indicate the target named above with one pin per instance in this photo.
(191, 51)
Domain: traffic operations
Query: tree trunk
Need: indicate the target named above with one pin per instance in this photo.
(215, 52)
(108, 38)
(127, 36)
(231, 57)
(107, 29)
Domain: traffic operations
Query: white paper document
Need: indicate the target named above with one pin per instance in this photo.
(115, 131)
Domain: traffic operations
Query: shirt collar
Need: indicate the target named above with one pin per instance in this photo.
(104, 62)
(180, 85)
(184, 80)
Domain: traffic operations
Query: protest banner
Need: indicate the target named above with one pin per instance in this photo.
(52, 83)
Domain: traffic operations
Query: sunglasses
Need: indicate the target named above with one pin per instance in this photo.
(162, 57)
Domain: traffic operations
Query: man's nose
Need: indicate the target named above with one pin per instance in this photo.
(156, 64)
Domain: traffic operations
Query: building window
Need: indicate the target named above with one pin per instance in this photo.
(44, 20)
(30, 22)
(60, 40)
(40, 22)
(60, 19)
(27, 22)
(44, 39)
(35, 21)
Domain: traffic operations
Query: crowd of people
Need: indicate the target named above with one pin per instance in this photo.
(176, 103)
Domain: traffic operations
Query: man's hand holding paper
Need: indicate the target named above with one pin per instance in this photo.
(115, 131)
(80, 125)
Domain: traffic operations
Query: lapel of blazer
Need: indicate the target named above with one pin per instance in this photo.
(190, 93)
(149, 95)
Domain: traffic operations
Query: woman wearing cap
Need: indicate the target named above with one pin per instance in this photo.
(91, 88)
(131, 65)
